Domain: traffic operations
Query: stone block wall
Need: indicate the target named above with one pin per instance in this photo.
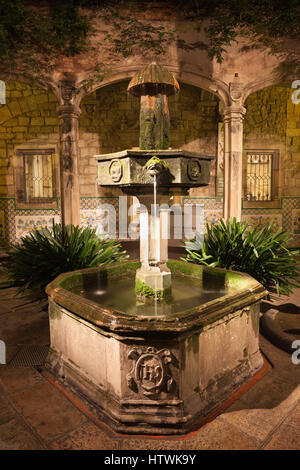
(28, 117)
(272, 122)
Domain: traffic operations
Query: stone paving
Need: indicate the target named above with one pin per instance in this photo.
(38, 412)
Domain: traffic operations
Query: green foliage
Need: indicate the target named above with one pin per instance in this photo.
(262, 253)
(63, 26)
(24, 29)
(44, 254)
(68, 29)
(263, 22)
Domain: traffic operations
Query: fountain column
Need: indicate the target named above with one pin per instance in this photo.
(153, 279)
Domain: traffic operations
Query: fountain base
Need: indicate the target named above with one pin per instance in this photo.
(153, 282)
(147, 371)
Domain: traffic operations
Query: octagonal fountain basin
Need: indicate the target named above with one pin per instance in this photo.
(157, 367)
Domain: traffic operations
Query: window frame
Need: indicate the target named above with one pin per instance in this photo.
(274, 201)
(20, 179)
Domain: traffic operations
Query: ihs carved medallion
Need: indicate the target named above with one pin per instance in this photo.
(115, 170)
(194, 169)
(150, 373)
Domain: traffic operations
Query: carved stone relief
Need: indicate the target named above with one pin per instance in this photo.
(150, 373)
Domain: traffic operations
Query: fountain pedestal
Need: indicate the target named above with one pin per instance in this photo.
(153, 282)
(153, 279)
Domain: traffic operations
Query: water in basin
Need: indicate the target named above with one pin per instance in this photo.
(187, 293)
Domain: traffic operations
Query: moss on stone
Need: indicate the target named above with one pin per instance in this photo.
(188, 269)
(235, 280)
(144, 291)
(157, 161)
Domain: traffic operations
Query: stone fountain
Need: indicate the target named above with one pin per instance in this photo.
(155, 345)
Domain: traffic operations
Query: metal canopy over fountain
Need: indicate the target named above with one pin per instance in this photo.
(151, 359)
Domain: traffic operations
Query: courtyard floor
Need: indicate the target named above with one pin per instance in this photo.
(39, 412)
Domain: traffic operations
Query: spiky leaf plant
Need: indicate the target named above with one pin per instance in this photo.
(262, 253)
(44, 254)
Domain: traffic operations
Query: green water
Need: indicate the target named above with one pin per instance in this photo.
(118, 294)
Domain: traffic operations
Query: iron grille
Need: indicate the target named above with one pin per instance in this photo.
(39, 181)
(259, 176)
(32, 355)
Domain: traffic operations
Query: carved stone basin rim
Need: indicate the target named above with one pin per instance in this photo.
(246, 290)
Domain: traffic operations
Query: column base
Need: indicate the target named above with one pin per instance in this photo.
(153, 282)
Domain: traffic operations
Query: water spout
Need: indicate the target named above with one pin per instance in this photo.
(156, 222)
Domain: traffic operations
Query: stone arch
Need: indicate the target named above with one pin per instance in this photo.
(19, 77)
(260, 85)
(26, 100)
(213, 85)
(112, 104)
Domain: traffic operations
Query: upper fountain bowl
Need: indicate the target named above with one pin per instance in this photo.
(128, 169)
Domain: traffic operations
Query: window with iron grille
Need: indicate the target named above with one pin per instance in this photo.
(36, 176)
(261, 175)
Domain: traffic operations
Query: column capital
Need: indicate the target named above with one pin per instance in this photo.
(234, 111)
(69, 110)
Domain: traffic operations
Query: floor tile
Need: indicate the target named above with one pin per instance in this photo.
(286, 438)
(219, 435)
(15, 436)
(87, 437)
(152, 444)
(48, 411)
(6, 410)
(294, 418)
(15, 379)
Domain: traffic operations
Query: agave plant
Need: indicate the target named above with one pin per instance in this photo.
(262, 253)
(43, 254)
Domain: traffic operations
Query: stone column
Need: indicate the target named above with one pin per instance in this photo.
(233, 116)
(154, 122)
(68, 153)
(154, 275)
